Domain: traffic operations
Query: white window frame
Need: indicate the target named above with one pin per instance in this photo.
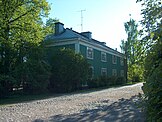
(103, 53)
(114, 59)
(89, 57)
(122, 73)
(114, 72)
(122, 61)
(104, 70)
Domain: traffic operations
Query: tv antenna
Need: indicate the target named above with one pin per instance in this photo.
(81, 13)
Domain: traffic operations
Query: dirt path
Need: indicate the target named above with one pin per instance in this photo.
(109, 105)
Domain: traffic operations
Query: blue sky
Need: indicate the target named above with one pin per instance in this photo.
(104, 18)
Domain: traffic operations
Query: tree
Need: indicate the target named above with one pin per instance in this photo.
(69, 71)
(152, 38)
(132, 45)
(50, 25)
(133, 51)
(33, 75)
(21, 29)
(20, 24)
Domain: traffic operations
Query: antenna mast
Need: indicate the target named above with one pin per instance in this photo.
(81, 25)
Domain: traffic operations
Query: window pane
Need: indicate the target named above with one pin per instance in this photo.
(104, 71)
(114, 59)
(114, 72)
(122, 73)
(89, 52)
(103, 56)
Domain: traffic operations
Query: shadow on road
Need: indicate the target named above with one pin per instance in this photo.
(124, 110)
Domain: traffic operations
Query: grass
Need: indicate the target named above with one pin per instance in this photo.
(13, 99)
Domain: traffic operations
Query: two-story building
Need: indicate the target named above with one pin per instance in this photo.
(103, 59)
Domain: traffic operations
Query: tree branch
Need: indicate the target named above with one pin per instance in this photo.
(20, 16)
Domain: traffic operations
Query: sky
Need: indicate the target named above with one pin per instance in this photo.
(104, 18)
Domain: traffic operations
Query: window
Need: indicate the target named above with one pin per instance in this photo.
(89, 53)
(103, 71)
(103, 56)
(122, 73)
(91, 72)
(114, 59)
(114, 72)
(121, 61)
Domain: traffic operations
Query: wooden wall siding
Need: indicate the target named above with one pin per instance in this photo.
(96, 61)
(98, 64)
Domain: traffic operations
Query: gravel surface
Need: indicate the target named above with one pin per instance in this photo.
(108, 105)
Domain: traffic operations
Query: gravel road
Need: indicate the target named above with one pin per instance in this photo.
(108, 105)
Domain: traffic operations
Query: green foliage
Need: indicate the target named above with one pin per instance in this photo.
(152, 36)
(33, 73)
(20, 23)
(153, 86)
(21, 30)
(50, 25)
(153, 94)
(135, 73)
(34, 76)
(69, 71)
(6, 85)
(132, 48)
(93, 83)
(105, 81)
(120, 81)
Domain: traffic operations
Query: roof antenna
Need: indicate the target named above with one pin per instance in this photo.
(81, 25)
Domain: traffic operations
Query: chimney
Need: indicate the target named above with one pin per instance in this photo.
(87, 34)
(59, 28)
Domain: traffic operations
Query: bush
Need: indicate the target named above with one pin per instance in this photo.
(105, 81)
(153, 93)
(136, 78)
(69, 71)
(93, 83)
(33, 76)
(6, 85)
(120, 80)
(153, 86)
(135, 73)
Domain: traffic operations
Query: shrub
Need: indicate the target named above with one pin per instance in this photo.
(153, 86)
(135, 73)
(33, 76)
(105, 81)
(153, 93)
(93, 83)
(120, 81)
(69, 71)
(112, 80)
(6, 85)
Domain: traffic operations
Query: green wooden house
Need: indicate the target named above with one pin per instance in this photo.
(103, 59)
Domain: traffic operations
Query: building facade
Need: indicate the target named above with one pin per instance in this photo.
(103, 59)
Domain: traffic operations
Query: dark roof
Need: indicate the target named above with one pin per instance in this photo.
(69, 34)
